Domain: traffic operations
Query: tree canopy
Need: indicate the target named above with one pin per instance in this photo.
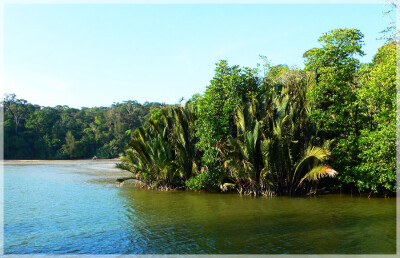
(35, 132)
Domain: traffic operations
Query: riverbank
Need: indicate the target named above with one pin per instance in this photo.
(232, 189)
(45, 161)
(107, 171)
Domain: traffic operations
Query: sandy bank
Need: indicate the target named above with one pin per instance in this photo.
(47, 161)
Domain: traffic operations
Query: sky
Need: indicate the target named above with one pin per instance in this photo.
(95, 55)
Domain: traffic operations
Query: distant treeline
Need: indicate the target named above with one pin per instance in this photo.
(37, 132)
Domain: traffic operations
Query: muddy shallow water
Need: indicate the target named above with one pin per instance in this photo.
(75, 207)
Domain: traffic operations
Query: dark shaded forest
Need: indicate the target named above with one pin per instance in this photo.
(36, 132)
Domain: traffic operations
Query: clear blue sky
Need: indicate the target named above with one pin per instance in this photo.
(94, 55)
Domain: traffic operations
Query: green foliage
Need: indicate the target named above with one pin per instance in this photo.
(378, 92)
(377, 168)
(230, 87)
(163, 153)
(34, 132)
(70, 145)
(271, 152)
(203, 181)
(335, 109)
(333, 95)
(354, 105)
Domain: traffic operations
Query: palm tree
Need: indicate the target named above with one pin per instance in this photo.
(163, 153)
(149, 158)
(184, 142)
(274, 150)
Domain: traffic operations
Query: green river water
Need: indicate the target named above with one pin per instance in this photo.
(74, 207)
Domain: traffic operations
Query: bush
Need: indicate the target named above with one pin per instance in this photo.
(203, 181)
(377, 170)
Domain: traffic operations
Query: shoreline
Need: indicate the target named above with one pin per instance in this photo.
(143, 185)
(17, 161)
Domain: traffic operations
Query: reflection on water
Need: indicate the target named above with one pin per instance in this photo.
(68, 207)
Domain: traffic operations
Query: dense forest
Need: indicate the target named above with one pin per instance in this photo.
(279, 130)
(268, 130)
(36, 132)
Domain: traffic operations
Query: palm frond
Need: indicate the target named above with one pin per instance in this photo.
(319, 172)
(312, 152)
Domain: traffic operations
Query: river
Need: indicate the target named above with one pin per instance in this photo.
(74, 207)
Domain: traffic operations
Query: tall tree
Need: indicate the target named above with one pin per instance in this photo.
(335, 108)
(230, 87)
(333, 95)
(376, 170)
